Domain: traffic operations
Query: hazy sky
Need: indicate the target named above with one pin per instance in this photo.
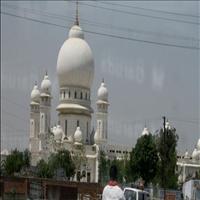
(145, 81)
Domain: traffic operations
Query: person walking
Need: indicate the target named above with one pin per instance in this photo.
(112, 191)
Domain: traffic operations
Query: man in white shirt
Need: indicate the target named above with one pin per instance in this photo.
(112, 191)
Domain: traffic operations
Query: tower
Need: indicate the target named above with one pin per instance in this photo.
(34, 123)
(75, 69)
(101, 134)
(45, 115)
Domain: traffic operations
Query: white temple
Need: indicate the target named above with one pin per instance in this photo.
(189, 164)
(75, 71)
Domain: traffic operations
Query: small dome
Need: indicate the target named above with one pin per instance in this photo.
(5, 152)
(46, 85)
(167, 126)
(102, 92)
(58, 133)
(76, 32)
(35, 94)
(70, 139)
(97, 138)
(195, 154)
(78, 135)
(145, 131)
(198, 144)
(53, 130)
(186, 155)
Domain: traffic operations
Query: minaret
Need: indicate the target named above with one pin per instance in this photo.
(102, 114)
(34, 124)
(45, 114)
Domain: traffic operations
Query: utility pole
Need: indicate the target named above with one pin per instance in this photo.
(163, 161)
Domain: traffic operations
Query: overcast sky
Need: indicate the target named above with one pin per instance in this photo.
(145, 80)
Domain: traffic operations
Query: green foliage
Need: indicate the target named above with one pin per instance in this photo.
(79, 158)
(104, 165)
(62, 159)
(16, 161)
(44, 170)
(121, 169)
(166, 144)
(26, 158)
(144, 159)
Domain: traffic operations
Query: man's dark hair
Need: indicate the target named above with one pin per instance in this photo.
(113, 172)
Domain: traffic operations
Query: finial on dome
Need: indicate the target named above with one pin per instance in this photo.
(102, 80)
(35, 82)
(46, 73)
(77, 21)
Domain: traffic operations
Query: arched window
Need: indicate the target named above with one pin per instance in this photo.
(64, 94)
(86, 95)
(75, 95)
(69, 94)
(77, 123)
(81, 95)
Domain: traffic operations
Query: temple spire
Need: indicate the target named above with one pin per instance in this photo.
(77, 21)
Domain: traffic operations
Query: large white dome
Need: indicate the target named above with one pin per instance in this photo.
(75, 64)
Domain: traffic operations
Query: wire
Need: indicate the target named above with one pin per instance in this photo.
(12, 102)
(138, 14)
(101, 25)
(149, 9)
(105, 34)
(185, 120)
(14, 115)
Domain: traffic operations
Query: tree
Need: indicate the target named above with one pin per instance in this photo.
(144, 159)
(62, 160)
(44, 170)
(80, 161)
(14, 162)
(120, 164)
(166, 145)
(26, 158)
(104, 165)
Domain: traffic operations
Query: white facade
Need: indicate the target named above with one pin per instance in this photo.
(189, 164)
(75, 70)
